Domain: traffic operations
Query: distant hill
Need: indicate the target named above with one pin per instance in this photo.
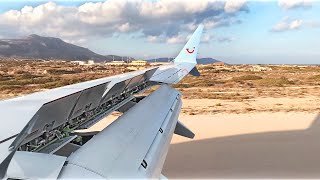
(199, 60)
(207, 60)
(35, 46)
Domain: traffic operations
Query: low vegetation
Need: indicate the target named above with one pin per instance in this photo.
(229, 82)
(278, 82)
(246, 77)
(23, 77)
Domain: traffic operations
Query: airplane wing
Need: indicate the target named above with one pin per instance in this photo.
(36, 126)
(183, 64)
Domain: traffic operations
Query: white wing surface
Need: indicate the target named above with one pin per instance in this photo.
(133, 146)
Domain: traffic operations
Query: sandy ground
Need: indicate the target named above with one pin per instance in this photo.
(247, 145)
(260, 104)
(226, 124)
(251, 145)
(260, 143)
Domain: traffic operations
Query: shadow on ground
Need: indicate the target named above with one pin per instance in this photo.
(285, 154)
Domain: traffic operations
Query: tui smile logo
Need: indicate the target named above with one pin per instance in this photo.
(190, 51)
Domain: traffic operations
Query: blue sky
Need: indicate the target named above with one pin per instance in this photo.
(276, 32)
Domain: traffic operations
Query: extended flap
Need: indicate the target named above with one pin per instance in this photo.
(194, 72)
(183, 131)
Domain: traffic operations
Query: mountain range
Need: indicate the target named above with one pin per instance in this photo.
(39, 47)
(35, 46)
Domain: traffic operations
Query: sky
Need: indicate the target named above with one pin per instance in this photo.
(236, 31)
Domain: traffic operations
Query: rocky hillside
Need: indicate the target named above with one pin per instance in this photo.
(35, 46)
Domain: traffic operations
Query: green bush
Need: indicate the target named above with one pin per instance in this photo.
(279, 82)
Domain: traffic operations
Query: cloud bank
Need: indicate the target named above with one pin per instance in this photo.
(286, 25)
(166, 20)
(294, 4)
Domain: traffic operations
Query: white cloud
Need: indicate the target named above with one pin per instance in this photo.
(293, 4)
(163, 19)
(295, 24)
(225, 39)
(177, 39)
(124, 27)
(152, 39)
(206, 38)
(232, 6)
(286, 25)
(183, 38)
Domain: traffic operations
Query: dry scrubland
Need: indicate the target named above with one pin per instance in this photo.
(239, 89)
(250, 121)
(230, 89)
(24, 77)
(219, 88)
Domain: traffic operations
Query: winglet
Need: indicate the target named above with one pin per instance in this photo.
(183, 131)
(189, 52)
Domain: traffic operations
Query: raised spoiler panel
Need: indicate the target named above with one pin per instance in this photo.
(89, 99)
(58, 112)
(27, 117)
(125, 85)
(55, 113)
(135, 81)
(115, 90)
(51, 115)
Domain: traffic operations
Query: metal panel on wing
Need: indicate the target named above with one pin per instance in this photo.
(28, 165)
(89, 99)
(138, 80)
(57, 112)
(148, 74)
(135, 81)
(52, 115)
(120, 87)
(116, 90)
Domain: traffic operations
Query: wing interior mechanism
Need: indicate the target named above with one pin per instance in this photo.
(78, 110)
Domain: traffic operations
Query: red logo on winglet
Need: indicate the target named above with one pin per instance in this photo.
(190, 52)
